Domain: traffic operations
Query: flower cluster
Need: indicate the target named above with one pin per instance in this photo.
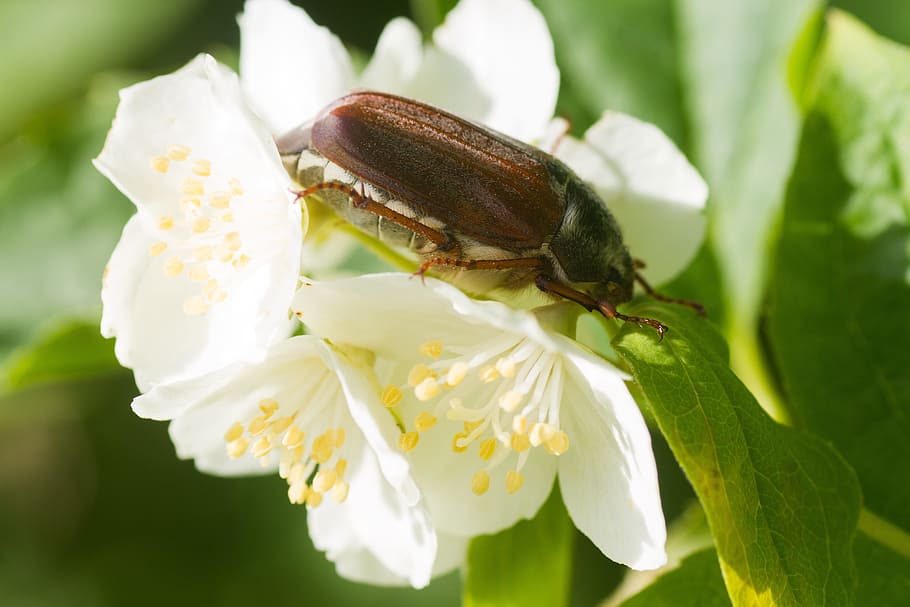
(408, 417)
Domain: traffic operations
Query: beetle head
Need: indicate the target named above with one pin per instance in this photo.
(589, 247)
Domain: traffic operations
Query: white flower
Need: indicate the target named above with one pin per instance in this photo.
(205, 270)
(491, 61)
(499, 406)
(311, 413)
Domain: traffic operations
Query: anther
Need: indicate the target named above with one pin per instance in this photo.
(195, 305)
(240, 262)
(268, 407)
(234, 432)
(514, 481)
(297, 492)
(487, 449)
(433, 349)
(228, 217)
(165, 222)
(520, 424)
(236, 187)
(558, 443)
(341, 467)
(233, 242)
(322, 448)
(237, 447)
(339, 437)
(203, 168)
(324, 480)
(160, 164)
(457, 445)
(480, 482)
(201, 225)
(418, 373)
(198, 273)
(192, 187)
(220, 199)
(313, 499)
(408, 440)
(258, 425)
(506, 367)
(509, 401)
(540, 433)
(157, 249)
(293, 438)
(340, 491)
(391, 396)
(280, 425)
(488, 374)
(178, 152)
(262, 447)
(520, 442)
(424, 421)
(457, 373)
(427, 389)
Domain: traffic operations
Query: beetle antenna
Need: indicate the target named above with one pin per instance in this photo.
(700, 309)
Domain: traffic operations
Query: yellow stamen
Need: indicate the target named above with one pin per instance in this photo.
(340, 491)
(419, 372)
(520, 442)
(471, 426)
(456, 447)
(258, 425)
(480, 482)
(234, 432)
(232, 241)
(198, 273)
(488, 374)
(424, 421)
(427, 389)
(487, 448)
(341, 467)
(324, 480)
(540, 433)
(293, 438)
(160, 164)
(510, 400)
(514, 481)
(313, 499)
(192, 187)
(433, 349)
(228, 217)
(407, 441)
(220, 199)
(391, 396)
(178, 152)
(201, 225)
(280, 425)
(297, 492)
(558, 443)
(262, 447)
(457, 373)
(268, 406)
(190, 204)
(157, 249)
(165, 222)
(241, 262)
(237, 447)
(322, 448)
(506, 367)
(173, 266)
(203, 168)
(203, 253)
(236, 187)
(520, 424)
(339, 437)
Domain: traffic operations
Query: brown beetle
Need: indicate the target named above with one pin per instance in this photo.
(497, 211)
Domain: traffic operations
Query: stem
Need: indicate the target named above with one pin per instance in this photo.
(380, 249)
(749, 364)
(887, 534)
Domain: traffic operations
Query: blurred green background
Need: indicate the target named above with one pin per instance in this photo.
(95, 509)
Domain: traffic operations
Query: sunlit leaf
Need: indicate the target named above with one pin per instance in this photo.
(695, 583)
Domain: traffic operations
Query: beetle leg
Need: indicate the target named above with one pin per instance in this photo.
(548, 285)
(440, 239)
(479, 264)
(700, 309)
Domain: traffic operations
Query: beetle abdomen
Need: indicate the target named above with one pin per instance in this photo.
(477, 182)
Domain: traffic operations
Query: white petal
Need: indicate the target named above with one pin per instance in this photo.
(396, 59)
(493, 62)
(376, 424)
(199, 107)
(291, 67)
(444, 477)
(657, 197)
(608, 477)
(374, 536)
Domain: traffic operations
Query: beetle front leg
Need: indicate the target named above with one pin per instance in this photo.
(548, 285)
(700, 309)
(440, 239)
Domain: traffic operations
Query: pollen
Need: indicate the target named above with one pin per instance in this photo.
(558, 443)
(241, 262)
(160, 164)
(407, 441)
(165, 222)
(487, 449)
(201, 225)
(458, 442)
(322, 448)
(457, 373)
(324, 480)
(489, 374)
(227, 217)
(540, 433)
(234, 432)
(427, 389)
(220, 199)
(520, 424)
(236, 448)
(262, 447)
(514, 481)
(294, 437)
(341, 467)
(173, 266)
(340, 491)
(203, 168)
(339, 437)
(391, 396)
(157, 249)
(268, 406)
(195, 306)
(519, 442)
(509, 401)
(198, 274)
(178, 151)
(313, 499)
(480, 482)
(433, 349)
(258, 425)
(424, 421)
(236, 186)
(192, 187)
(202, 253)
(506, 367)
(232, 241)
(419, 372)
(281, 424)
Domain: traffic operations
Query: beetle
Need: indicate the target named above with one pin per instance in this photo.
(494, 211)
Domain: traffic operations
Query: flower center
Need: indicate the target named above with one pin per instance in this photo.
(312, 467)
(505, 397)
(205, 246)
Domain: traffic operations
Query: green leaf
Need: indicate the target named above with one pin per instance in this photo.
(884, 576)
(838, 320)
(430, 13)
(618, 55)
(782, 505)
(527, 565)
(66, 350)
(696, 582)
